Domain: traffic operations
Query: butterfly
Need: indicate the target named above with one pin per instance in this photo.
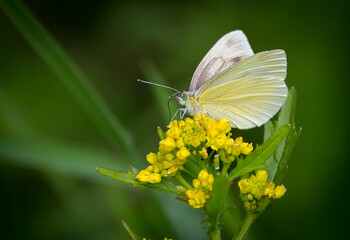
(234, 83)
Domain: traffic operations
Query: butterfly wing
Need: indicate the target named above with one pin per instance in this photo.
(248, 93)
(230, 49)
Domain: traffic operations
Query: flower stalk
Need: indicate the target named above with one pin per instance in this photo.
(247, 223)
(183, 182)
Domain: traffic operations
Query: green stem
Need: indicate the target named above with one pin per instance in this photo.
(247, 222)
(215, 235)
(225, 168)
(183, 181)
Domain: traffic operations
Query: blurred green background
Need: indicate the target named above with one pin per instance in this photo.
(50, 146)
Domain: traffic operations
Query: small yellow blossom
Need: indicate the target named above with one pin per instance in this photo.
(151, 158)
(198, 196)
(174, 132)
(279, 191)
(261, 176)
(247, 149)
(204, 153)
(180, 143)
(183, 153)
(253, 189)
(155, 178)
(143, 176)
(169, 157)
(167, 145)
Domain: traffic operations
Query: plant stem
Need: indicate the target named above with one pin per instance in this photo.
(215, 235)
(183, 181)
(247, 222)
(224, 168)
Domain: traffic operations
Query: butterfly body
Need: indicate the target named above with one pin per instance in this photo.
(234, 83)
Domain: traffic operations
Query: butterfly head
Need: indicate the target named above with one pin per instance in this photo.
(183, 97)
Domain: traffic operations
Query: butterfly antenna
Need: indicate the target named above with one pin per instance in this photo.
(169, 107)
(159, 85)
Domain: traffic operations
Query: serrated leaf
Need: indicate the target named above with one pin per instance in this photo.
(288, 110)
(134, 170)
(130, 178)
(133, 235)
(257, 159)
(286, 116)
(215, 202)
(291, 139)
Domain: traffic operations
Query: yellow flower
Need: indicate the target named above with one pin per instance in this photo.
(172, 170)
(143, 176)
(204, 153)
(183, 153)
(247, 149)
(174, 132)
(239, 140)
(155, 178)
(169, 157)
(244, 185)
(198, 196)
(194, 136)
(279, 191)
(167, 145)
(151, 158)
(256, 187)
(261, 176)
(203, 175)
(180, 143)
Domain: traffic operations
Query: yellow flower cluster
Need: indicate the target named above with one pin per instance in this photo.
(254, 188)
(166, 162)
(198, 196)
(192, 136)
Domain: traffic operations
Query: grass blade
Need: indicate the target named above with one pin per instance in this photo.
(55, 57)
(58, 157)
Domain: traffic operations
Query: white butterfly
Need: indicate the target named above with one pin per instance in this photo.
(234, 83)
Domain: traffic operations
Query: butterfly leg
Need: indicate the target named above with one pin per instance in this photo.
(199, 119)
(183, 110)
(181, 115)
(206, 112)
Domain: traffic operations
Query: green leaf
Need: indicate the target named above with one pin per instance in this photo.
(257, 159)
(133, 235)
(70, 75)
(160, 133)
(129, 177)
(288, 110)
(269, 129)
(291, 139)
(215, 203)
(52, 155)
(277, 163)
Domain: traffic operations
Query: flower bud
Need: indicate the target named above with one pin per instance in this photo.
(152, 158)
(279, 191)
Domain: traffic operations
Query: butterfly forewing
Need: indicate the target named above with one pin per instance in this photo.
(229, 50)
